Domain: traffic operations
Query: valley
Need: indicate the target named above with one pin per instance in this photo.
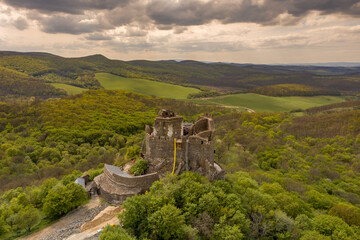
(291, 153)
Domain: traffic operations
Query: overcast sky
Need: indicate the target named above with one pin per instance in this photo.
(255, 31)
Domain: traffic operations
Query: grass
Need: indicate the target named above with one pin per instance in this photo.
(71, 90)
(159, 89)
(261, 103)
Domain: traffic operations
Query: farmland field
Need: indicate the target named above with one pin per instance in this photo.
(110, 81)
(261, 103)
(71, 90)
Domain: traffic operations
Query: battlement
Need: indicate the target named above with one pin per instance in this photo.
(170, 142)
(194, 145)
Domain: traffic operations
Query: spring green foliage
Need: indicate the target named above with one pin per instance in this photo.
(22, 209)
(46, 139)
(348, 105)
(349, 213)
(95, 172)
(71, 90)
(80, 72)
(287, 177)
(61, 199)
(178, 207)
(204, 94)
(27, 217)
(115, 233)
(110, 81)
(133, 152)
(139, 167)
(13, 83)
(261, 103)
(281, 90)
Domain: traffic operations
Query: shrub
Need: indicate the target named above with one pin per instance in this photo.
(95, 172)
(332, 226)
(132, 152)
(114, 233)
(139, 167)
(167, 223)
(62, 199)
(348, 213)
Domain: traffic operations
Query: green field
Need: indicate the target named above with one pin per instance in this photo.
(71, 90)
(261, 103)
(110, 81)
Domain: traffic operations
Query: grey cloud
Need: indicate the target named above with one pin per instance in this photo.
(21, 23)
(193, 46)
(171, 14)
(135, 32)
(134, 45)
(68, 24)
(348, 7)
(179, 30)
(98, 37)
(66, 6)
(196, 12)
(288, 41)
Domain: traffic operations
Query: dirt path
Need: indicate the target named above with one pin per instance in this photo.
(230, 106)
(208, 99)
(94, 232)
(70, 224)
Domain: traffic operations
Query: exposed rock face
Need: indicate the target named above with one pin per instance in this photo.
(105, 215)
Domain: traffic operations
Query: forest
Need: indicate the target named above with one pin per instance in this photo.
(15, 84)
(287, 177)
(80, 72)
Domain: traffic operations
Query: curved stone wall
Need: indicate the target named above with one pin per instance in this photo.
(143, 181)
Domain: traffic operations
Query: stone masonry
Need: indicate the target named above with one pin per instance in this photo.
(194, 152)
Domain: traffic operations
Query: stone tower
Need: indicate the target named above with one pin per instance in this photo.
(194, 145)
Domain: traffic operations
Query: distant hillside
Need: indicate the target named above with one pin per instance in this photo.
(280, 90)
(326, 125)
(79, 72)
(14, 83)
(335, 107)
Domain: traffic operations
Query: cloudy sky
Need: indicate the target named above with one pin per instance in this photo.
(255, 31)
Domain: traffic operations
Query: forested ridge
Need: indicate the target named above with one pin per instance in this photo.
(15, 84)
(287, 177)
(230, 77)
(281, 90)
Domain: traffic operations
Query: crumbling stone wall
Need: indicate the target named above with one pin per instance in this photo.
(194, 152)
(194, 144)
(116, 188)
(143, 181)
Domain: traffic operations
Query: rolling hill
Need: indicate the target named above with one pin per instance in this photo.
(138, 85)
(13, 83)
(261, 103)
(51, 68)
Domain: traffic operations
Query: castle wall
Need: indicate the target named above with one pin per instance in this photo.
(169, 127)
(200, 150)
(200, 125)
(116, 188)
(159, 148)
(114, 198)
(143, 181)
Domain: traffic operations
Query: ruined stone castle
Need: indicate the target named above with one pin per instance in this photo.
(171, 146)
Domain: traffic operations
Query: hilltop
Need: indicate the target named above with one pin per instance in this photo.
(80, 72)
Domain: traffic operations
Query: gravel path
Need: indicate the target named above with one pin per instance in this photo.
(70, 223)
